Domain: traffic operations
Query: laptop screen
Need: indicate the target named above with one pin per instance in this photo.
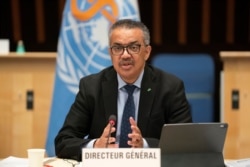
(193, 144)
(193, 137)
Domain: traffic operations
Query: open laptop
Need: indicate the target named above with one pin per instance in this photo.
(193, 144)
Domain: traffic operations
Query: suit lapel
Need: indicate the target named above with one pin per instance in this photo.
(148, 90)
(110, 93)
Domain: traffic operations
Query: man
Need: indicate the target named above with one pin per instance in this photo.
(158, 98)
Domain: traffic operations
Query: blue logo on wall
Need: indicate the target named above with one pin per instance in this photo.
(83, 44)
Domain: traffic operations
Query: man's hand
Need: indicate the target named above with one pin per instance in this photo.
(136, 137)
(102, 141)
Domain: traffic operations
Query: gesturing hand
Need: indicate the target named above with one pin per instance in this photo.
(136, 137)
(102, 141)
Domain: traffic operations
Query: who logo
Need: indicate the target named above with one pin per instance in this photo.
(83, 40)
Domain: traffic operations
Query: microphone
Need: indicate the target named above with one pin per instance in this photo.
(112, 120)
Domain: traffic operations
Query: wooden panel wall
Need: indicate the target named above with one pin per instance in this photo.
(237, 77)
(22, 128)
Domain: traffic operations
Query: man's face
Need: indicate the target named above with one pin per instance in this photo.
(130, 62)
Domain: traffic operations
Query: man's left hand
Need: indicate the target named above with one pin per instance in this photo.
(136, 137)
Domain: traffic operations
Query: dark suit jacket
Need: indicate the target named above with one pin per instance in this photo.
(162, 100)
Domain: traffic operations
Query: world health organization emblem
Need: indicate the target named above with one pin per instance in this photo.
(83, 40)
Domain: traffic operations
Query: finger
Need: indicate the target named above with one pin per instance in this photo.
(134, 126)
(135, 129)
(136, 140)
(135, 137)
(113, 129)
(107, 131)
(111, 140)
(102, 141)
(132, 121)
(113, 145)
(137, 143)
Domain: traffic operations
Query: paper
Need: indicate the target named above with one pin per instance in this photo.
(57, 162)
(238, 163)
(4, 46)
(12, 161)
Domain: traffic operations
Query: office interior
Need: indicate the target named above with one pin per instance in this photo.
(220, 29)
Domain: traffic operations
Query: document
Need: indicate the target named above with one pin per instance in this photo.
(12, 161)
(238, 163)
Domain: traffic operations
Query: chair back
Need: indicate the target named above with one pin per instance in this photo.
(198, 74)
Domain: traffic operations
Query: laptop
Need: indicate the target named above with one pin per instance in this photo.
(193, 144)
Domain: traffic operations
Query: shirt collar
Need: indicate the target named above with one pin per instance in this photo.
(137, 83)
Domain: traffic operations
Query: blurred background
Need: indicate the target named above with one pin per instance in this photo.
(179, 26)
(176, 26)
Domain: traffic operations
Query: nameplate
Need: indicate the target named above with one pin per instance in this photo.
(122, 157)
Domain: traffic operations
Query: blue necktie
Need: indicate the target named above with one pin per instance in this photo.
(129, 111)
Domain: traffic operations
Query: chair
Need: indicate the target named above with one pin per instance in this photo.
(197, 73)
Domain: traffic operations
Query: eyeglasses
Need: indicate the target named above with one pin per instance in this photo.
(131, 49)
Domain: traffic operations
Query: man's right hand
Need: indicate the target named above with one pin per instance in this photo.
(102, 141)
